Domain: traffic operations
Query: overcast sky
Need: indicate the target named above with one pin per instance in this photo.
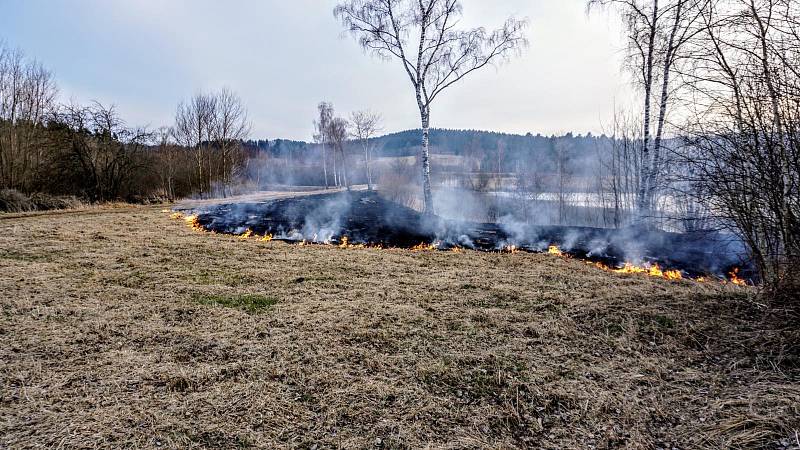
(284, 56)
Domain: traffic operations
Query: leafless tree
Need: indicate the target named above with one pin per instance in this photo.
(529, 187)
(321, 125)
(229, 127)
(620, 168)
(169, 159)
(435, 55)
(193, 129)
(658, 34)
(104, 150)
(563, 168)
(365, 125)
(743, 133)
(27, 98)
(338, 131)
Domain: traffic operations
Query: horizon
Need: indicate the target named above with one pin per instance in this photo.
(383, 135)
(146, 57)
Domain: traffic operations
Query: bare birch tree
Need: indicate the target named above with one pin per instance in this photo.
(325, 111)
(435, 55)
(365, 125)
(657, 31)
(338, 131)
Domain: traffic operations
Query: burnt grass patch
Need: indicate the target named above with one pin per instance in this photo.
(365, 217)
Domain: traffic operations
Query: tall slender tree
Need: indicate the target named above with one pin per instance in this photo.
(338, 131)
(325, 110)
(434, 53)
(365, 125)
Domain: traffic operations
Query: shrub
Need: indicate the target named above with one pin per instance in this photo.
(46, 202)
(14, 201)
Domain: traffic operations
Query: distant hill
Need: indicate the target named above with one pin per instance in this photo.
(492, 148)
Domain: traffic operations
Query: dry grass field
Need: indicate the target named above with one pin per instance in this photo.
(123, 328)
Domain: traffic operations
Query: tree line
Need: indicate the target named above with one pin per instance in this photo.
(90, 152)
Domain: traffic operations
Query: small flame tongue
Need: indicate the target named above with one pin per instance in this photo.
(734, 277)
(423, 247)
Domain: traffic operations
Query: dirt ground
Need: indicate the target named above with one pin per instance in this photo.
(124, 328)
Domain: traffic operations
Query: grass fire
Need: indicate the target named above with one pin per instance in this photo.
(653, 269)
(225, 228)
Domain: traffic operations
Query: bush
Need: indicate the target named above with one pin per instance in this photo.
(14, 201)
(45, 202)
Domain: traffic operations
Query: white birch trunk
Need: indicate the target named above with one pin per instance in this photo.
(335, 171)
(324, 164)
(426, 165)
(641, 199)
(366, 166)
(654, 169)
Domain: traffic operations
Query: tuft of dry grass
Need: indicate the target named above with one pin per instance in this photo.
(123, 328)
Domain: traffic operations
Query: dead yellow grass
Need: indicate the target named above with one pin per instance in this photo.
(123, 328)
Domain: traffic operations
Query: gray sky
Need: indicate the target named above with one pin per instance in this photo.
(284, 56)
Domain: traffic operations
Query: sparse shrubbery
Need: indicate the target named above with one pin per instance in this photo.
(14, 201)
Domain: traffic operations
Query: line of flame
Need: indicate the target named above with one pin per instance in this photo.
(653, 270)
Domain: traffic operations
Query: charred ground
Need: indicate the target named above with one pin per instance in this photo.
(365, 217)
(125, 328)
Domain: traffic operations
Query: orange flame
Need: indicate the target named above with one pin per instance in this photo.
(652, 270)
(555, 250)
(194, 223)
(345, 243)
(673, 275)
(599, 265)
(423, 247)
(734, 275)
(511, 249)
(246, 235)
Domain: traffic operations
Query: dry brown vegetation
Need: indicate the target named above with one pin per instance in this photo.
(123, 328)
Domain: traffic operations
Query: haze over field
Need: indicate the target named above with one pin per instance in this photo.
(282, 57)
